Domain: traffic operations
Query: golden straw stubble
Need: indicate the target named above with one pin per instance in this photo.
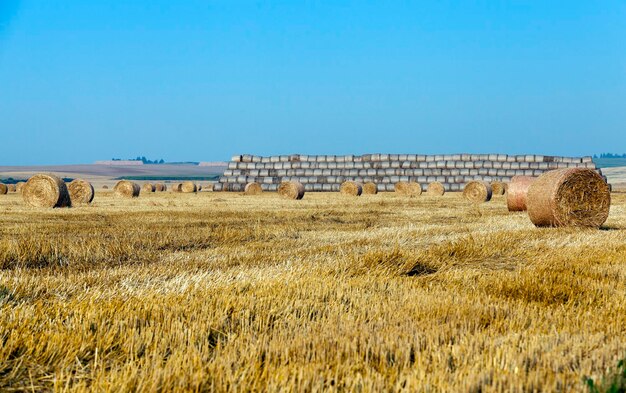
(569, 197)
(46, 190)
(291, 190)
(370, 188)
(436, 188)
(477, 191)
(351, 188)
(127, 189)
(253, 188)
(517, 193)
(81, 191)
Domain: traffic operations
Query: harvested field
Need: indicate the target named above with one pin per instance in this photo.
(218, 291)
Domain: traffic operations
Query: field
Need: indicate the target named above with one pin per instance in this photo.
(219, 291)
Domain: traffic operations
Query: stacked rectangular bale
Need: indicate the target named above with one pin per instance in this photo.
(326, 173)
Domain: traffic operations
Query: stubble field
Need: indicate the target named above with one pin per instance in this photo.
(217, 291)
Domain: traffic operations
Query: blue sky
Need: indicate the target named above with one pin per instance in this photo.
(203, 80)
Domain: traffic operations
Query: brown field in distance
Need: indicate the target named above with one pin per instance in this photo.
(221, 291)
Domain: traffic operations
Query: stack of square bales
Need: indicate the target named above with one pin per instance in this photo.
(326, 173)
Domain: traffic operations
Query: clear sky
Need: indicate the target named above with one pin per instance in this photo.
(203, 80)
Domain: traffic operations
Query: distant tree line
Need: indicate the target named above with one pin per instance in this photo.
(142, 159)
(610, 155)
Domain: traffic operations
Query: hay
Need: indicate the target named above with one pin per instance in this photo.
(370, 188)
(127, 189)
(253, 188)
(160, 187)
(188, 187)
(517, 193)
(408, 188)
(19, 186)
(477, 191)
(498, 188)
(177, 187)
(148, 187)
(11, 187)
(81, 191)
(351, 188)
(46, 190)
(436, 188)
(572, 197)
(3, 189)
(291, 190)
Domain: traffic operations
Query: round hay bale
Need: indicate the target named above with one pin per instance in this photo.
(436, 188)
(498, 188)
(253, 188)
(177, 187)
(127, 189)
(19, 186)
(517, 193)
(148, 187)
(351, 188)
(46, 190)
(11, 187)
(188, 187)
(477, 191)
(3, 189)
(370, 188)
(105, 187)
(160, 187)
(291, 190)
(408, 188)
(81, 191)
(572, 197)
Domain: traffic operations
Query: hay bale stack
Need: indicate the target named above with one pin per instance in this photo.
(477, 191)
(517, 193)
(148, 187)
(188, 187)
(498, 188)
(253, 188)
(291, 190)
(46, 190)
(408, 188)
(571, 197)
(351, 188)
(160, 187)
(3, 189)
(11, 187)
(370, 188)
(436, 188)
(127, 189)
(81, 191)
(19, 186)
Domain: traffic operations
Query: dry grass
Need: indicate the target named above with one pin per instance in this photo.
(218, 291)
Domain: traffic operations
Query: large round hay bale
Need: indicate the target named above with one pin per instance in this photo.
(127, 189)
(188, 187)
(351, 188)
(370, 188)
(572, 197)
(436, 188)
(253, 188)
(177, 187)
(291, 190)
(11, 187)
(408, 188)
(160, 187)
(81, 191)
(148, 187)
(498, 188)
(477, 191)
(46, 190)
(517, 193)
(3, 189)
(19, 186)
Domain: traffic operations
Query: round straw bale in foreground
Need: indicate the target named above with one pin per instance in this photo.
(81, 191)
(11, 187)
(517, 192)
(351, 188)
(253, 188)
(148, 187)
(291, 190)
(408, 188)
(370, 188)
(188, 187)
(436, 188)
(127, 189)
(498, 188)
(19, 186)
(3, 189)
(160, 187)
(46, 190)
(477, 191)
(572, 197)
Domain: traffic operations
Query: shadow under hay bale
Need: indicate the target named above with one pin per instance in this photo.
(81, 192)
(477, 191)
(351, 188)
(291, 190)
(517, 193)
(127, 189)
(46, 190)
(570, 197)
